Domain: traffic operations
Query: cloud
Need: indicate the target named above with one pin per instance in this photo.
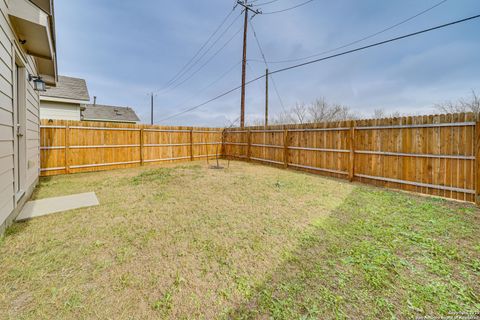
(126, 49)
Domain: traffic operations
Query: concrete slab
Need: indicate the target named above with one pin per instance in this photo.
(38, 208)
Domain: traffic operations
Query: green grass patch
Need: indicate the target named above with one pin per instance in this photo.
(160, 175)
(380, 254)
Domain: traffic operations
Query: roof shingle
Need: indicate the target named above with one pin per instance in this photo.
(109, 113)
(68, 88)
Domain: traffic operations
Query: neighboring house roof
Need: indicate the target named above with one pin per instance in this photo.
(67, 89)
(109, 113)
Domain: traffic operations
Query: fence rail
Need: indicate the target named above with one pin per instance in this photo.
(74, 146)
(437, 154)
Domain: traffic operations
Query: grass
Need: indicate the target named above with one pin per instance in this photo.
(247, 242)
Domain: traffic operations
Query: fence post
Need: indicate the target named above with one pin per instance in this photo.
(191, 145)
(351, 171)
(67, 147)
(142, 156)
(285, 147)
(223, 150)
(249, 144)
(477, 163)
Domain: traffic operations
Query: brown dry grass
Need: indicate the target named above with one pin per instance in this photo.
(181, 241)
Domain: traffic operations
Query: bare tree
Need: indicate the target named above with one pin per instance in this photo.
(283, 118)
(471, 104)
(319, 111)
(379, 114)
(343, 113)
(300, 113)
(382, 114)
(322, 111)
(474, 104)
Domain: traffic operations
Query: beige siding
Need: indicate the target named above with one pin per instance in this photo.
(6, 120)
(8, 204)
(59, 111)
(33, 129)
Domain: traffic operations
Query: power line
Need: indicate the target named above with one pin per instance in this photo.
(326, 58)
(264, 3)
(291, 8)
(258, 44)
(278, 93)
(187, 70)
(359, 40)
(223, 75)
(377, 44)
(202, 47)
(266, 65)
(211, 100)
(207, 62)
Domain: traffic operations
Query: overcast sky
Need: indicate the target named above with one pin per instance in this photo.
(126, 49)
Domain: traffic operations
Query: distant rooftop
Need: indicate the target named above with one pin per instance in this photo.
(68, 88)
(99, 112)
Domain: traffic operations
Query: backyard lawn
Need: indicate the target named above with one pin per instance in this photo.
(184, 241)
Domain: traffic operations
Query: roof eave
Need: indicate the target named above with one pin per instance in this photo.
(109, 120)
(35, 27)
(64, 100)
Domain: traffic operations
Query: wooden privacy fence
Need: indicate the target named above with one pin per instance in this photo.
(78, 146)
(437, 155)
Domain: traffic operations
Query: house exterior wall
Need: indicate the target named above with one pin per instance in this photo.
(10, 53)
(59, 111)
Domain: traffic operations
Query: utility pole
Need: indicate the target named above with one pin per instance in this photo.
(244, 66)
(244, 61)
(266, 97)
(151, 110)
